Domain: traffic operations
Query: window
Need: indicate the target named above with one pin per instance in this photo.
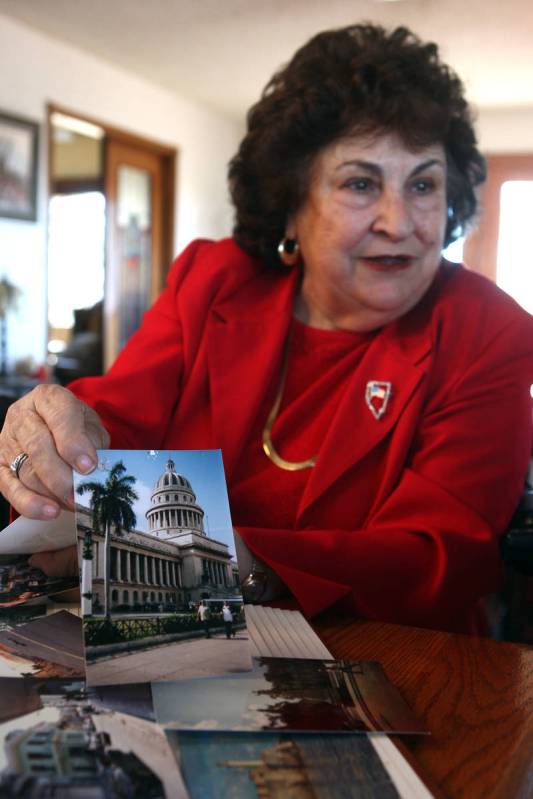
(484, 252)
(514, 263)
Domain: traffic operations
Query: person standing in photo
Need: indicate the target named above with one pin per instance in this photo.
(227, 616)
(204, 616)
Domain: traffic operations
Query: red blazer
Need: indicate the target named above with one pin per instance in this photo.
(400, 516)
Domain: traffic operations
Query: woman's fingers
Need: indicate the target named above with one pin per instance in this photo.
(27, 502)
(75, 428)
(44, 471)
(58, 432)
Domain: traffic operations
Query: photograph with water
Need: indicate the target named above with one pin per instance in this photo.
(217, 765)
(291, 694)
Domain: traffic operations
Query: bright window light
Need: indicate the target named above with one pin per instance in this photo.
(454, 251)
(75, 255)
(514, 272)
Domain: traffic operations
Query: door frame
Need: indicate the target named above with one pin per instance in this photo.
(168, 158)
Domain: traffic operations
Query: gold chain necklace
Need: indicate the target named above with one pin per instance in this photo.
(268, 446)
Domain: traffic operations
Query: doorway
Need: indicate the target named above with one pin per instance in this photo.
(111, 212)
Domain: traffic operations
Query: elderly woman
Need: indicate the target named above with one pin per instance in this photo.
(370, 399)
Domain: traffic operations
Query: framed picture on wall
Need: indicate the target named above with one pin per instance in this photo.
(18, 167)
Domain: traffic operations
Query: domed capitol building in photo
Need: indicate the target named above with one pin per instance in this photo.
(174, 564)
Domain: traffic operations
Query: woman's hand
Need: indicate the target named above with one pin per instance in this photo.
(259, 583)
(59, 433)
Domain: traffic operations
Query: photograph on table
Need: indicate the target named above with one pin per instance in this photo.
(22, 582)
(133, 699)
(215, 765)
(160, 593)
(42, 640)
(292, 694)
(22, 696)
(31, 536)
(58, 738)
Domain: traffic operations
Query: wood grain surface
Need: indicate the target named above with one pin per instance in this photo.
(475, 695)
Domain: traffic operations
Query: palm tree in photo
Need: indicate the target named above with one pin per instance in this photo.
(111, 505)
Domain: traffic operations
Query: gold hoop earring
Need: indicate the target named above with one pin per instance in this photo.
(289, 251)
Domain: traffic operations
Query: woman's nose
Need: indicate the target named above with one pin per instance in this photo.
(393, 216)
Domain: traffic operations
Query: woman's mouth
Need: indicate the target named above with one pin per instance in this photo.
(387, 263)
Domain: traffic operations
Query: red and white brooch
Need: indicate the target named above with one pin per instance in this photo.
(377, 396)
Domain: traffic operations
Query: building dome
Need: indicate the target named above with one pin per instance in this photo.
(172, 478)
(173, 507)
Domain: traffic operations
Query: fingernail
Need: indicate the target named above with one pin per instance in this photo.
(51, 511)
(85, 464)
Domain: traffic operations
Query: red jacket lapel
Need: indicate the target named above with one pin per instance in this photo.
(246, 336)
(354, 430)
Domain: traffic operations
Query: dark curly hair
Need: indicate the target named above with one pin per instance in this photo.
(355, 80)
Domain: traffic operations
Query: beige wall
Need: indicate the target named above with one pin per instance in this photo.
(506, 130)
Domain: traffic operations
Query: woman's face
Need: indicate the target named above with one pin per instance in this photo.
(370, 231)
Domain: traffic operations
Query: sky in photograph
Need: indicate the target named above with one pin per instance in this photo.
(202, 468)
(216, 703)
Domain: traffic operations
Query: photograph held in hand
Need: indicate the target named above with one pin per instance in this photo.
(159, 584)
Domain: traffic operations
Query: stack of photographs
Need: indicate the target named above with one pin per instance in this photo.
(40, 630)
(146, 684)
(292, 727)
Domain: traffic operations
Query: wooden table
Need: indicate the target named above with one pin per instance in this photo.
(475, 695)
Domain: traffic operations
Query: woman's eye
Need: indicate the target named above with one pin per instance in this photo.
(423, 185)
(359, 184)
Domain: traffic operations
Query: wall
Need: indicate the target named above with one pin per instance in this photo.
(505, 130)
(37, 69)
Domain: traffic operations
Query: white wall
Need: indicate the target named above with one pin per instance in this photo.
(36, 69)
